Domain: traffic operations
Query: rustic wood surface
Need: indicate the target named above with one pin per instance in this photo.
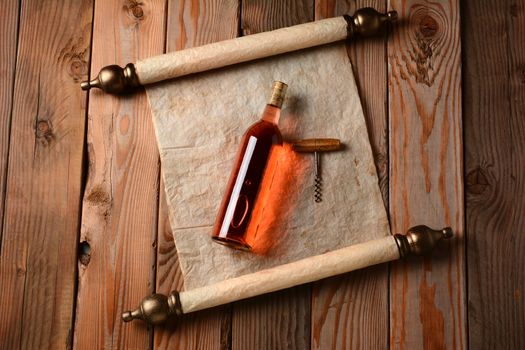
(9, 38)
(192, 24)
(351, 311)
(427, 295)
(279, 320)
(44, 175)
(494, 123)
(83, 221)
(120, 203)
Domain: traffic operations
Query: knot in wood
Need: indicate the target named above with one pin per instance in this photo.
(43, 126)
(477, 181)
(428, 26)
(428, 22)
(135, 9)
(73, 57)
(43, 132)
(78, 69)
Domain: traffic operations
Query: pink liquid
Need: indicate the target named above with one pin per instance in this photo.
(242, 191)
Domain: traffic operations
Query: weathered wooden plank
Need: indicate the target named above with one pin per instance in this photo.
(427, 298)
(494, 92)
(9, 39)
(351, 311)
(263, 15)
(279, 320)
(192, 24)
(119, 213)
(195, 23)
(208, 329)
(44, 182)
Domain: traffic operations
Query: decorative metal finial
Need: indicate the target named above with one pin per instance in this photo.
(114, 80)
(368, 21)
(155, 309)
(420, 240)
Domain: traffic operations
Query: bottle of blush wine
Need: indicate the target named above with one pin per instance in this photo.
(250, 167)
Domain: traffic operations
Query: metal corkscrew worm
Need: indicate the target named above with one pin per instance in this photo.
(317, 146)
(318, 182)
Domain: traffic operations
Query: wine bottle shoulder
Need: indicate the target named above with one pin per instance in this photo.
(264, 130)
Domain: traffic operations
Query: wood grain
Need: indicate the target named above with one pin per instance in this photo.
(192, 23)
(41, 179)
(44, 182)
(278, 320)
(209, 329)
(351, 311)
(427, 300)
(9, 38)
(494, 92)
(195, 23)
(265, 15)
(119, 214)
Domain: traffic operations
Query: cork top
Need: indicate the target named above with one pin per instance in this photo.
(278, 93)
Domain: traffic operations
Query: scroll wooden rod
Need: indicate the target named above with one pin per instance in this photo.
(158, 308)
(114, 79)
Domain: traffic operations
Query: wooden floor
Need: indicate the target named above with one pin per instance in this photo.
(83, 220)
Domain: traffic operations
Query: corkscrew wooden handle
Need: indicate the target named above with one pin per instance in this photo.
(316, 145)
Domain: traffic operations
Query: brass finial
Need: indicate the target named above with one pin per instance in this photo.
(114, 80)
(368, 21)
(155, 309)
(420, 240)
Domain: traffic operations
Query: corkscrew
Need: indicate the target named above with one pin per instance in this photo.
(317, 146)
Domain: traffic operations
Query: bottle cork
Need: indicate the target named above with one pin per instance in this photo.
(278, 93)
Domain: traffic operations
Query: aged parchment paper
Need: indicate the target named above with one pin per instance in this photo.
(199, 121)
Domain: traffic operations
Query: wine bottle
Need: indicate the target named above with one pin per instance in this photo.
(250, 167)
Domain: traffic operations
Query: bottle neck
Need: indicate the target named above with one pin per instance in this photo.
(271, 114)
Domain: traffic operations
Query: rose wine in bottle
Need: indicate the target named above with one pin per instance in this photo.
(242, 191)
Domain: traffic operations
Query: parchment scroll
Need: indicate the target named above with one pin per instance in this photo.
(243, 49)
(292, 274)
(199, 121)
